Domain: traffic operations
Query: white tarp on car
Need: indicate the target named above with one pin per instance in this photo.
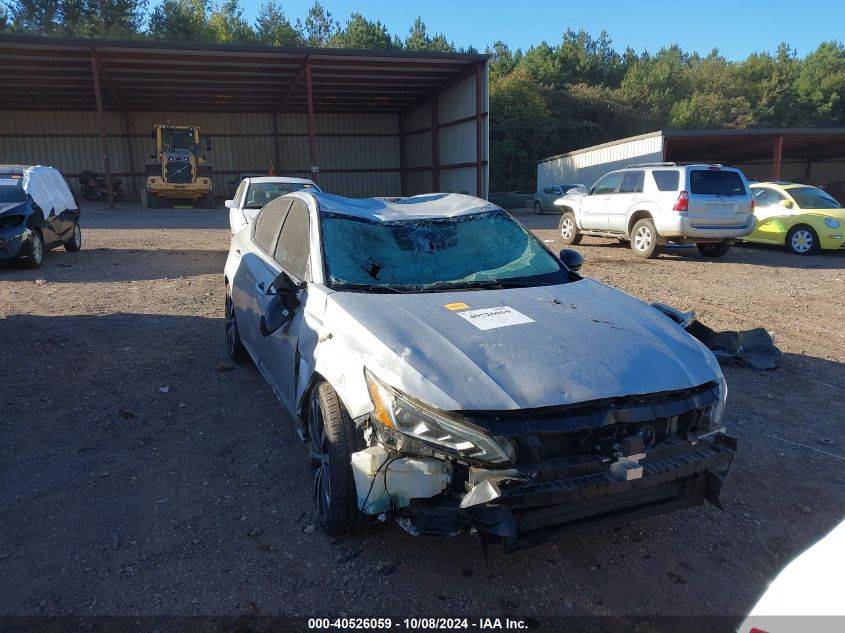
(48, 189)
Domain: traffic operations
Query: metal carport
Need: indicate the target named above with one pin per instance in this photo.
(362, 122)
(810, 155)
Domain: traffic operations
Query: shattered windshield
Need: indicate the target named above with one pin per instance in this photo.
(479, 250)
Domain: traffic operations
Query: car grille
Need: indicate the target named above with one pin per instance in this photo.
(596, 429)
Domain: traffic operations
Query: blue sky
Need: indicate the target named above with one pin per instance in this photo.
(736, 28)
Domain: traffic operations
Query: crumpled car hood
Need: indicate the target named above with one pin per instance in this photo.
(587, 341)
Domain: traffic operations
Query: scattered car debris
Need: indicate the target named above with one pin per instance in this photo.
(754, 348)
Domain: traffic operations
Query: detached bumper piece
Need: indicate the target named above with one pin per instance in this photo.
(674, 477)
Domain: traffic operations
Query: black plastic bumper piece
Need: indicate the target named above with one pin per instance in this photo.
(534, 512)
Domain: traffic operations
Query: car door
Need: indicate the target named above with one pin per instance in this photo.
(772, 217)
(595, 207)
(280, 349)
(549, 197)
(630, 192)
(255, 273)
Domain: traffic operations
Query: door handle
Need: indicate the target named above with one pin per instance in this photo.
(259, 288)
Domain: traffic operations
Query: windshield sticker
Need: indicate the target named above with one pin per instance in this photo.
(491, 318)
(455, 306)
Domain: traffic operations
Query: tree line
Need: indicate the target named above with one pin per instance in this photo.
(546, 100)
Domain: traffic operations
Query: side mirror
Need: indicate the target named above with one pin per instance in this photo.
(572, 259)
(283, 283)
(230, 204)
(787, 204)
(282, 303)
(276, 315)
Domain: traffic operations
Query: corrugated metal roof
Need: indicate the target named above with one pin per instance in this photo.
(57, 74)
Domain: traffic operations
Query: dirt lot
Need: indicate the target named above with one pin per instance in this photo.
(139, 476)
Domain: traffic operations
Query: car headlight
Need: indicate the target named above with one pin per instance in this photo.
(712, 418)
(436, 428)
(831, 223)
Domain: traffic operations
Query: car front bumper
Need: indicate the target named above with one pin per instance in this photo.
(530, 508)
(14, 242)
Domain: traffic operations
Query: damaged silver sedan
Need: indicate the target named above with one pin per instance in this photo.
(449, 372)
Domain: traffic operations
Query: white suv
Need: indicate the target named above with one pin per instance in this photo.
(655, 203)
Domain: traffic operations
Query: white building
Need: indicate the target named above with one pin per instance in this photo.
(813, 156)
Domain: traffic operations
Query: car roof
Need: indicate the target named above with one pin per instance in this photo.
(14, 169)
(279, 179)
(781, 184)
(431, 205)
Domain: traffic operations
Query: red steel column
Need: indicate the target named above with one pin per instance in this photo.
(129, 149)
(776, 157)
(312, 139)
(403, 158)
(276, 152)
(479, 126)
(435, 144)
(104, 147)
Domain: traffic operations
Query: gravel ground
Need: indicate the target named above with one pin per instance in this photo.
(141, 474)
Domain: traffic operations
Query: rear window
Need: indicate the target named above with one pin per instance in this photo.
(666, 179)
(716, 182)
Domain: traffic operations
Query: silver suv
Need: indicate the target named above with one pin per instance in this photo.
(651, 204)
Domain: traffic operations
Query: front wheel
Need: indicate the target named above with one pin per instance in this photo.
(802, 240)
(332, 440)
(234, 345)
(75, 241)
(36, 251)
(538, 208)
(711, 249)
(644, 239)
(569, 229)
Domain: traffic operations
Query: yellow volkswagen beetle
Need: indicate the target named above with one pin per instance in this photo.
(800, 217)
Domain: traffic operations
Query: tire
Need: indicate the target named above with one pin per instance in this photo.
(151, 200)
(331, 441)
(713, 249)
(234, 344)
(75, 242)
(206, 201)
(802, 240)
(568, 229)
(36, 251)
(538, 208)
(644, 239)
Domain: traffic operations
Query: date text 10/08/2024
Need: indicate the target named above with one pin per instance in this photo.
(417, 624)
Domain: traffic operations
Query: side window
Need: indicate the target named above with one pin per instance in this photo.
(608, 184)
(549, 190)
(294, 242)
(666, 179)
(558, 192)
(269, 222)
(239, 192)
(632, 182)
(768, 197)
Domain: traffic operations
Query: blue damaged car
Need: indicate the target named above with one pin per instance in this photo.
(37, 213)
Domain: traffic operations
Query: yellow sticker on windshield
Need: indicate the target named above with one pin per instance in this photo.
(455, 306)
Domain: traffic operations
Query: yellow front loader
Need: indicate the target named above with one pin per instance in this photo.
(177, 173)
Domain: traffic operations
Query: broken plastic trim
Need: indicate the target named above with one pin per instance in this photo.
(585, 415)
